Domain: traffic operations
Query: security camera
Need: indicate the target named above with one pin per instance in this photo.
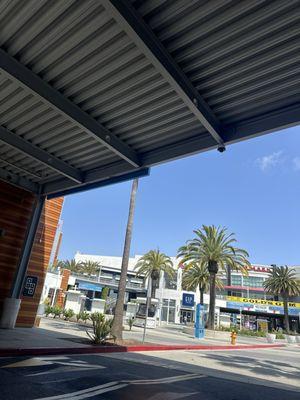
(221, 149)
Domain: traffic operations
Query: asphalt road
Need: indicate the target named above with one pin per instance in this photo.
(113, 378)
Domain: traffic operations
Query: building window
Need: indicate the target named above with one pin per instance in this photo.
(236, 280)
(255, 295)
(170, 283)
(253, 281)
(236, 294)
(168, 310)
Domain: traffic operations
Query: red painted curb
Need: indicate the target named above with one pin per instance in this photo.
(124, 349)
(200, 347)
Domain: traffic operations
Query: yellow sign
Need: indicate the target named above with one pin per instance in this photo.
(261, 302)
(262, 325)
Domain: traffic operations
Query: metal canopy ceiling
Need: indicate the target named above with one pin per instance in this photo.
(93, 92)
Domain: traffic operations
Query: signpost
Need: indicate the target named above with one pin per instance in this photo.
(199, 324)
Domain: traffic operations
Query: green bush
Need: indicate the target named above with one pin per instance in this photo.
(101, 328)
(57, 311)
(104, 293)
(78, 317)
(48, 310)
(280, 335)
(248, 332)
(84, 316)
(68, 314)
(130, 322)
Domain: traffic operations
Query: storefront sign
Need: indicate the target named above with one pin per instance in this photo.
(261, 301)
(89, 286)
(260, 305)
(188, 300)
(259, 268)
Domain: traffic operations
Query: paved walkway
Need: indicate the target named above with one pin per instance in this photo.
(161, 335)
(57, 333)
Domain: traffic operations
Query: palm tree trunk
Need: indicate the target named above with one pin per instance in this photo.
(212, 269)
(153, 288)
(286, 314)
(201, 295)
(117, 327)
(212, 301)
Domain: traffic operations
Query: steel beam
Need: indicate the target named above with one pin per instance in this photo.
(116, 179)
(18, 181)
(38, 86)
(40, 155)
(95, 176)
(27, 247)
(253, 127)
(265, 123)
(184, 148)
(135, 27)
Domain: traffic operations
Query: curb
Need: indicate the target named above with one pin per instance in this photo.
(43, 351)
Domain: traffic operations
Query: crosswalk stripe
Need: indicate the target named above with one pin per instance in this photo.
(106, 387)
(80, 392)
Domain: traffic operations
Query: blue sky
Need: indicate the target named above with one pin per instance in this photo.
(253, 189)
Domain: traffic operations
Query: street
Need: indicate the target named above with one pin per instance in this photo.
(157, 376)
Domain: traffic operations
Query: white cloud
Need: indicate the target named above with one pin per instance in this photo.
(270, 161)
(296, 162)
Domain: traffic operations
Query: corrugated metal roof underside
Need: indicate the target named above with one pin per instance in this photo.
(243, 57)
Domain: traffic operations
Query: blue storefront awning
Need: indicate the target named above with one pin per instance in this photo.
(89, 286)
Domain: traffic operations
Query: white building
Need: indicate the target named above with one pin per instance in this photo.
(242, 297)
(169, 294)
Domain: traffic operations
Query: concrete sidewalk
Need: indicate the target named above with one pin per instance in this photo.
(56, 336)
(165, 335)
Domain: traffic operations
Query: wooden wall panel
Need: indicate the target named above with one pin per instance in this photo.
(39, 259)
(15, 211)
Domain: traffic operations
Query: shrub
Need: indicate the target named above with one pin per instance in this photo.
(47, 301)
(280, 335)
(56, 311)
(78, 317)
(104, 293)
(248, 332)
(48, 310)
(68, 314)
(84, 316)
(130, 322)
(101, 328)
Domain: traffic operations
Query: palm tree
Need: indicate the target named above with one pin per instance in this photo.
(152, 264)
(117, 327)
(282, 281)
(54, 266)
(72, 265)
(91, 267)
(214, 248)
(196, 275)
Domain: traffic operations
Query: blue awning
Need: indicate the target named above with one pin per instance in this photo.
(89, 286)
